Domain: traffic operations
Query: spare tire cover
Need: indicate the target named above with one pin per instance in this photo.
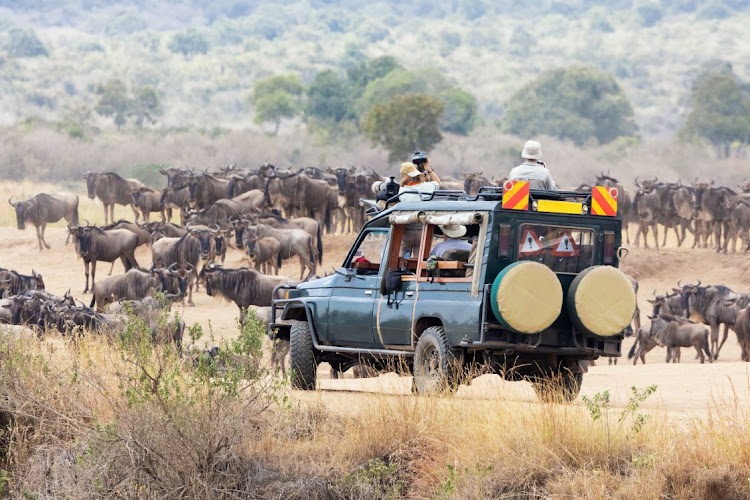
(601, 301)
(526, 297)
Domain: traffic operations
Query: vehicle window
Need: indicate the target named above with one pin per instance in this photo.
(368, 255)
(562, 249)
(452, 246)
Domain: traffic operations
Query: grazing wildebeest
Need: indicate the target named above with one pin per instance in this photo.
(43, 209)
(713, 306)
(112, 190)
(293, 242)
(176, 199)
(148, 200)
(184, 251)
(245, 287)
(95, 244)
(14, 283)
(647, 204)
(136, 284)
(681, 333)
(742, 329)
(264, 252)
(205, 189)
(307, 224)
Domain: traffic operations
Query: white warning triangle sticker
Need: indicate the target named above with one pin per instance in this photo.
(566, 246)
(529, 244)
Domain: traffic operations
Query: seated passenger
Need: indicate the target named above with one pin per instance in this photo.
(533, 170)
(451, 241)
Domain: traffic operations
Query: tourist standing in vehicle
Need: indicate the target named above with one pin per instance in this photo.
(414, 180)
(533, 170)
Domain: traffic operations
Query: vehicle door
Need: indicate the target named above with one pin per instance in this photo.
(355, 290)
(394, 311)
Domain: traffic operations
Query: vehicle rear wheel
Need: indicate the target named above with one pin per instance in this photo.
(435, 366)
(302, 354)
(560, 387)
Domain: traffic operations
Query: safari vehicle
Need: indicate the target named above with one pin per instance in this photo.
(535, 297)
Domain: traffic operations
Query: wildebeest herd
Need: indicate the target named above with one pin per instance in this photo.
(274, 214)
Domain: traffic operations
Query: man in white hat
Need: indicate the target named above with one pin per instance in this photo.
(451, 235)
(533, 170)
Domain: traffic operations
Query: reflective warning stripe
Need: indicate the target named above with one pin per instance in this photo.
(516, 195)
(604, 201)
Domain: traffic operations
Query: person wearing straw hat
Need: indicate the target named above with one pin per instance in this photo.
(451, 241)
(533, 170)
(414, 180)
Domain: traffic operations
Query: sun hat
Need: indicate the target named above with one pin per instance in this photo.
(453, 230)
(532, 150)
(410, 169)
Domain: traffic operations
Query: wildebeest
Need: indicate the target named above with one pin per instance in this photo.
(111, 189)
(184, 251)
(206, 189)
(737, 225)
(473, 181)
(175, 199)
(139, 230)
(680, 333)
(206, 237)
(711, 209)
(644, 342)
(95, 244)
(647, 204)
(167, 229)
(148, 200)
(164, 327)
(14, 283)
(293, 242)
(239, 184)
(136, 284)
(245, 287)
(176, 177)
(43, 209)
(264, 252)
(713, 306)
(307, 224)
(742, 329)
(299, 194)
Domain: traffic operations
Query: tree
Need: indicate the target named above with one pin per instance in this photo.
(23, 42)
(146, 106)
(328, 98)
(405, 123)
(114, 102)
(720, 111)
(460, 115)
(188, 43)
(365, 72)
(577, 103)
(276, 97)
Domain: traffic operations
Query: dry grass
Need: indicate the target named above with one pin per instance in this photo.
(81, 420)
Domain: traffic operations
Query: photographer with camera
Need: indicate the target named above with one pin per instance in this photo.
(533, 170)
(418, 175)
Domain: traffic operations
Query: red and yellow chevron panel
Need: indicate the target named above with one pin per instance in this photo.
(516, 195)
(604, 201)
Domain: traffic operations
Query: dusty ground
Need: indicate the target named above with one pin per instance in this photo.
(688, 387)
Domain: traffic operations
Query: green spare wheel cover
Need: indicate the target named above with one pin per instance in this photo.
(601, 301)
(526, 297)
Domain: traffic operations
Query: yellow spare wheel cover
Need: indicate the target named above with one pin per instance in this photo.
(526, 297)
(601, 301)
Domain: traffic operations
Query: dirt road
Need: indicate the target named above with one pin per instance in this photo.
(688, 387)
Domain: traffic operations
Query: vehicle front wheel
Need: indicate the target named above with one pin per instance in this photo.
(435, 366)
(561, 387)
(302, 354)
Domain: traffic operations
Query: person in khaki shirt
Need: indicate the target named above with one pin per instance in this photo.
(533, 170)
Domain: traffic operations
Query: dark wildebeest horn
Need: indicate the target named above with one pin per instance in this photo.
(190, 268)
(712, 182)
(171, 268)
(11, 202)
(636, 182)
(679, 283)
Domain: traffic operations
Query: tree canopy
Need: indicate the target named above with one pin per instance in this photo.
(719, 110)
(189, 43)
(116, 102)
(328, 98)
(579, 103)
(275, 98)
(405, 123)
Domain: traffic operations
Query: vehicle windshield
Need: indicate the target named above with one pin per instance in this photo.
(562, 249)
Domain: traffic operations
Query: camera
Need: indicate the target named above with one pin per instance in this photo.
(419, 158)
(387, 189)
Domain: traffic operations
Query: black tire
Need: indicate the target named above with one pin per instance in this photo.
(560, 387)
(302, 356)
(435, 366)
